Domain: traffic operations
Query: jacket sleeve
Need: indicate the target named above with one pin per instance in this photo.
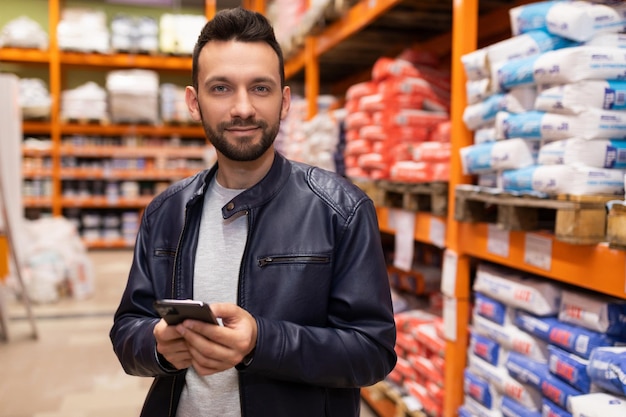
(356, 347)
(135, 319)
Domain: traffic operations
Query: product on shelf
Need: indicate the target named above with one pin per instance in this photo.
(598, 404)
(134, 34)
(607, 369)
(87, 102)
(35, 100)
(178, 33)
(23, 32)
(84, 30)
(133, 96)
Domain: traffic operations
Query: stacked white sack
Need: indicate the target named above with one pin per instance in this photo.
(577, 97)
(564, 179)
(597, 153)
(500, 155)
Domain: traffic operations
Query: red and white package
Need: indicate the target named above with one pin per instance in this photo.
(424, 367)
(408, 320)
(379, 102)
(432, 152)
(358, 147)
(358, 90)
(411, 171)
(372, 161)
(427, 334)
(358, 119)
(442, 132)
(373, 132)
(421, 393)
(410, 117)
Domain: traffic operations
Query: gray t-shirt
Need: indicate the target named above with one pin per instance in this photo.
(216, 274)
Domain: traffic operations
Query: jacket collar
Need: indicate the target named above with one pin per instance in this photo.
(258, 194)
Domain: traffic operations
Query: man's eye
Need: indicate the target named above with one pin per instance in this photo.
(261, 89)
(219, 88)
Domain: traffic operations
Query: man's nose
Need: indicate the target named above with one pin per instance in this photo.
(242, 107)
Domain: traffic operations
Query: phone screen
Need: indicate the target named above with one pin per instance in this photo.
(176, 311)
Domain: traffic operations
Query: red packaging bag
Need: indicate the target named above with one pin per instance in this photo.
(378, 102)
(358, 90)
(432, 152)
(409, 117)
(358, 119)
(358, 147)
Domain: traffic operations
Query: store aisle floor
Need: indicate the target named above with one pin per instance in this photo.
(70, 370)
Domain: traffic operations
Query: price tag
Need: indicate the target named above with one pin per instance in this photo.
(498, 241)
(437, 232)
(538, 251)
(404, 225)
(449, 318)
(448, 272)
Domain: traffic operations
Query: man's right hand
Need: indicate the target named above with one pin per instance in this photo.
(171, 345)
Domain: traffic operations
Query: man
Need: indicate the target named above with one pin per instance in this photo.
(287, 255)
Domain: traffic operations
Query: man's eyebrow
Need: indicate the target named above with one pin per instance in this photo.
(225, 79)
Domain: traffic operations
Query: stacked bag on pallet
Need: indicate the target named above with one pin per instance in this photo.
(540, 349)
(547, 105)
(420, 347)
(178, 33)
(83, 30)
(397, 124)
(315, 141)
(134, 34)
(133, 96)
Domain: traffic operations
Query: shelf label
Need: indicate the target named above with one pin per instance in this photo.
(403, 222)
(498, 241)
(538, 251)
(448, 272)
(449, 318)
(437, 232)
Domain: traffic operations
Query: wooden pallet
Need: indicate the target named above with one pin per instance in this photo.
(427, 196)
(388, 401)
(573, 219)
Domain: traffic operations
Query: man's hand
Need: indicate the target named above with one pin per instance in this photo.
(171, 345)
(215, 348)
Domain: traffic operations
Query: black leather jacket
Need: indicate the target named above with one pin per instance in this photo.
(313, 276)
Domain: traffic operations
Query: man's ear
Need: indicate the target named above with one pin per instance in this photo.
(191, 98)
(286, 103)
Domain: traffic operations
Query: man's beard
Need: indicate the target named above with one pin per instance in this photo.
(244, 150)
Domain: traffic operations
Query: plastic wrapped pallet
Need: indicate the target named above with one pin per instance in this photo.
(518, 100)
(173, 106)
(35, 101)
(133, 96)
(570, 368)
(134, 34)
(581, 20)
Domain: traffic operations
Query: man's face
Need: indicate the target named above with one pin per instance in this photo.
(239, 99)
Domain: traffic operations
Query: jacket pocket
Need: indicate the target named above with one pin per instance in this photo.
(293, 259)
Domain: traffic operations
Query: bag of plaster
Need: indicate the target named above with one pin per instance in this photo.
(518, 100)
(481, 63)
(526, 370)
(564, 179)
(493, 310)
(577, 97)
(487, 349)
(613, 40)
(597, 153)
(563, 66)
(529, 17)
(581, 20)
(494, 156)
(504, 383)
(511, 408)
(511, 287)
(598, 404)
(480, 390)
(537, 125)
(485, 134)
(607, 369)
(559, 392)
(597, 312)
(552, 152)
(512, 338)
(570, 368)
(550, 409)
(473, 408)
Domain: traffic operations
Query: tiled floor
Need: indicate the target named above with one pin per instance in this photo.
(70, 369)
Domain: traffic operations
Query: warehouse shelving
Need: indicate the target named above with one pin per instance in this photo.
(593, 267)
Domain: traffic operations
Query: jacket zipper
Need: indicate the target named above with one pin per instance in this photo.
(180, 239)
(292, 259)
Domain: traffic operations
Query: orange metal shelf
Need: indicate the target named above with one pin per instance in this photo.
(121, 130)
(124, 174)
(37, 173)
(24, 55)
(36, 128)
(133, 151)
(107, 243)
(106, 202)
(37, 202)
(159, 62)
(595, 267)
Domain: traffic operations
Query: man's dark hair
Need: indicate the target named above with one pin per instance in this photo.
(240, 25)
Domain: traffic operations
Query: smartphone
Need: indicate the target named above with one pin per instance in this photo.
(175, 311)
